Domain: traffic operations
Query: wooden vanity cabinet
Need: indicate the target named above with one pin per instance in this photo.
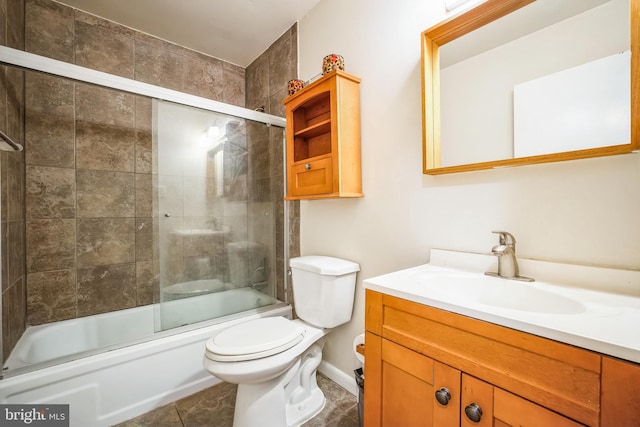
(413, 351)
(323, 139)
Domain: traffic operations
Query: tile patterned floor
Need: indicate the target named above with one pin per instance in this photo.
(213, 407)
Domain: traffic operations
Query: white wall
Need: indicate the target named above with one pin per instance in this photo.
(583, 211)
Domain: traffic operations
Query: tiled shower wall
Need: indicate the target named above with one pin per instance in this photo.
(267, 79)
(12, 219)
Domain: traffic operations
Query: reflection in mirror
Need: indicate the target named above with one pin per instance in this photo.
(546, 82)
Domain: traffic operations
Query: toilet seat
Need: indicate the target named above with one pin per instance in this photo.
(254, 339)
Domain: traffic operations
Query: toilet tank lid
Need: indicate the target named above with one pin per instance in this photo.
(324, 265)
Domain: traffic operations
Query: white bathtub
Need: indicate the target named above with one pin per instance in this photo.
(110, 383)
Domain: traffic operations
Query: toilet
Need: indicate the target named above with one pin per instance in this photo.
(274, 360)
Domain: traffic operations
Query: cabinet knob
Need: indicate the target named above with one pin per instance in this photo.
(307, 166)
(443, 396)
(473, 412)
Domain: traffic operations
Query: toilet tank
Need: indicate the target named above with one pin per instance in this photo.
(323, 289)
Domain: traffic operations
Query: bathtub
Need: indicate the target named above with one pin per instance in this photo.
(82, 362)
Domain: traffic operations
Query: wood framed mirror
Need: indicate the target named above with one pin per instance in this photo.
(536, 111)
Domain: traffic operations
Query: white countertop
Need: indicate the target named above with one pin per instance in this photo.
(605, 322)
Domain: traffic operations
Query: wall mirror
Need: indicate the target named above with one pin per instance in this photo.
(515, 82)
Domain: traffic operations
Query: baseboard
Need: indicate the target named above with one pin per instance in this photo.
(347, 382)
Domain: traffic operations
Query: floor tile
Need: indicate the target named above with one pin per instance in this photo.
(214, 406)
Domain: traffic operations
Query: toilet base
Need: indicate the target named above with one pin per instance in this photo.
(286, 401)
(298, 414)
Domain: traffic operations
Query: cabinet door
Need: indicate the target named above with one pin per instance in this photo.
(400, 391)
(476, 408)
(446, 383)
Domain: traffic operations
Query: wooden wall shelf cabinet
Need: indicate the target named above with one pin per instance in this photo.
(323, 139)
(429, 367)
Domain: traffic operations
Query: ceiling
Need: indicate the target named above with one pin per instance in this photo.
(236, 31)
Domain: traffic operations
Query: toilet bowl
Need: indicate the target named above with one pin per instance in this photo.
(274, 360)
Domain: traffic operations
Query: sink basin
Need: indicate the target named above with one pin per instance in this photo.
(454, 286)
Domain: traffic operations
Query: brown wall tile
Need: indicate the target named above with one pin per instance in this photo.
(13, 316)
(15, 190)
(158, 63)
(282, 62)
(145, 239)
(147, 282)
(144, 195)
(103, 45)
(51, 296)
(104, 106)
(15, 257)
(202, 76)
(49, 29)
(3, 24)
(51, 192)
(3, 91)
(257, 82)
(105, 194)
(105, 147)
(51, 244)
(106, 288)
(49, 121)
(15, 108)
(4, 186)
(49, 140)
(105, 241)
(234, 85)
(15, 24)
(144, 142)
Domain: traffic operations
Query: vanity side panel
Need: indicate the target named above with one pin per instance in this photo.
(555, 375)
(620, 393)
(373, 383)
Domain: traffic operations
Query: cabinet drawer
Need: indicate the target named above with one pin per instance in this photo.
(314, 177)
(557, 376)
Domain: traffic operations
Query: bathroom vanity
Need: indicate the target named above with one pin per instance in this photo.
(438, 353)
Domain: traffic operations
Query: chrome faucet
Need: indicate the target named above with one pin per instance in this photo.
(505, 250)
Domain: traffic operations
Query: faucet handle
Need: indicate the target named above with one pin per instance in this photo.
(506, 238)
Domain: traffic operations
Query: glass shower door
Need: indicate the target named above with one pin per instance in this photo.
(214, 214)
